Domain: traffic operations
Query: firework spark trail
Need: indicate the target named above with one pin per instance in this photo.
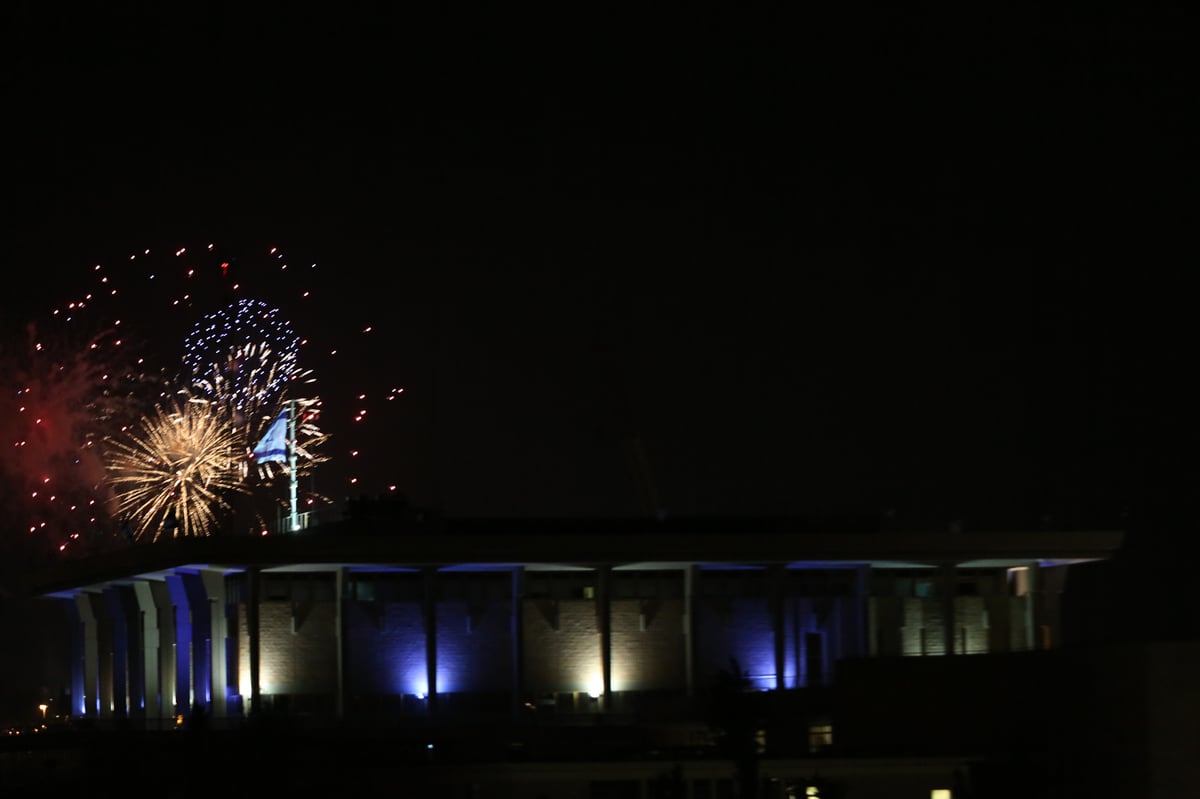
(175, 473)
(245, 353)
(307, 444)
(60, 389)
(248, 382)
(92, 392)
(244, 360)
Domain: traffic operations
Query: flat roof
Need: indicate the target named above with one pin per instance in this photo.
(543, 543)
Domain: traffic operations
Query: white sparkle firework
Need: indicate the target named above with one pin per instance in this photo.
(177, 473)
(244, 356)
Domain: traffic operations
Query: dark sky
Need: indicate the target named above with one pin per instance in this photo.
(932, 263)
(915, 264)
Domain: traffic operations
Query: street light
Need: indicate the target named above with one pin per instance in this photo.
(43, 707)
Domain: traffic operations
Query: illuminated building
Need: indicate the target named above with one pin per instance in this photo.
(536, 624)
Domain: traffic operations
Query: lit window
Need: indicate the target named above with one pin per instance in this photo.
(820, 736)
(940, 793)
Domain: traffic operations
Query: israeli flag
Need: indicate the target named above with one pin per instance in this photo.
(273, 446)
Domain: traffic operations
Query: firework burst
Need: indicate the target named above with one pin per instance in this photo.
(63, 392)
(84, 384)
(177, 473)
(246, 355)
(244, 360)
(306, 445)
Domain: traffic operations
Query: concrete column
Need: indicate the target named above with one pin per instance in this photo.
(862, 609)
(948, 572)
(253, 587)
(218, 636)
(775, 578)
(182, 616)
(151, 679)
(90, 705)
(201, 640)
(119, 643)
(340, 588)
(167, 684)
(135, 654)
(429, 610)
(135, 664)
(689, 638)
(75, 625)
(604, 627)
(99, 669)
(1033, 610)
(516, 634)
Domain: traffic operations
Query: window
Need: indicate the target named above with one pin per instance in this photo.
(820, 736)
(803, 792)
(940, 793)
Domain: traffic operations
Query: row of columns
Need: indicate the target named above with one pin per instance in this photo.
(157, 649)
(152, 650)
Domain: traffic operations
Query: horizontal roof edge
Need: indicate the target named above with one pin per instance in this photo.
(449, 548)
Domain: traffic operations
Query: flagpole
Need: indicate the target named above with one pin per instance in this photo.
(291, 448)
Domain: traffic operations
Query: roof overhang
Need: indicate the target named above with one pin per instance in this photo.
(448, 549)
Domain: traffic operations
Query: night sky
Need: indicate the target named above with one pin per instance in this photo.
(928, 264)
(917, 266)
(920, 267)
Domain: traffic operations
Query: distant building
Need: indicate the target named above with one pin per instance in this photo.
(548, 633)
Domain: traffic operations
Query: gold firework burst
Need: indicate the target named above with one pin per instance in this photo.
(177, 473)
